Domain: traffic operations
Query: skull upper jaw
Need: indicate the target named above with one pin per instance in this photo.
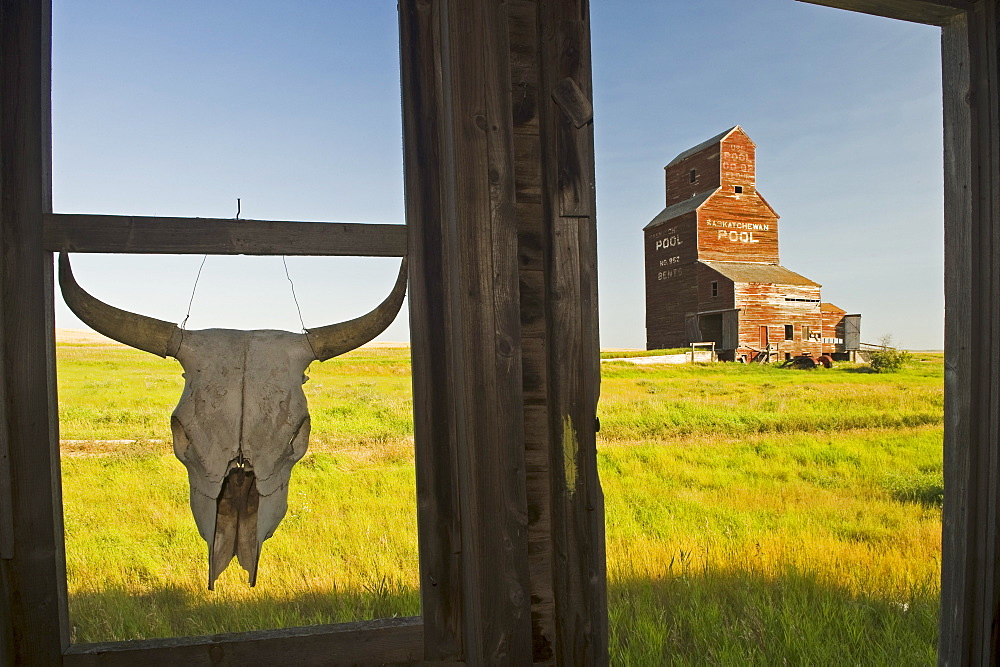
(235, 525)
(246, 509)
(244, 519)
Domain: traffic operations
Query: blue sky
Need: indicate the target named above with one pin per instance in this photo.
(178, 108)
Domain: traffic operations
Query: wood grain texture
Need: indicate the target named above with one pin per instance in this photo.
(768, 305)
(530, 237)
(6, 483)
(532, 290)
(465, 331)
(522, 21)
(737, 228)
(573, 102)
(34, 579)
(535, 370)
(532, 270)
(72, 232)
(434, 392)
(573, 357)
(528, 173)
(497, 580)
(385, 641)
(955, 638)
(933, 12)
(970, 587)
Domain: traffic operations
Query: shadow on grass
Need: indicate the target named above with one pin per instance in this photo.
(723, 618)
(689, 618)
(118, 615)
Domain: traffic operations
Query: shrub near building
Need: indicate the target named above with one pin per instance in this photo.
(889, 359)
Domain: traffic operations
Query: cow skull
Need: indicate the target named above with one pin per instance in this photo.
(242, 421)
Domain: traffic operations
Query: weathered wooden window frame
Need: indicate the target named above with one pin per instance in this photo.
(38, 632)
(970, 565)
(497, 583)
(457, 59)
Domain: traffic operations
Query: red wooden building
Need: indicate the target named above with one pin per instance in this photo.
(712, 269)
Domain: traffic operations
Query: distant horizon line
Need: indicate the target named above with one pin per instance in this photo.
(66, 335)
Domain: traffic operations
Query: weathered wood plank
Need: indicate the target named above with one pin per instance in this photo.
(578, 540)
(34, 579)
(528, 173)
(539, 489)
(970, 591)
(573, 102)
(524, 45)
(74, 232)
(536, 425)
(465, 330)
(497, 572)
(534, 371)
(434, 393)
(530, 237)
(932, 12)
(532, 289)
(6, 481)
(575, 183)
(577, 511)
(385, 641)
(955, 642)
(523, 31)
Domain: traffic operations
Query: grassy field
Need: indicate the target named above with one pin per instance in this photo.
(754, 514)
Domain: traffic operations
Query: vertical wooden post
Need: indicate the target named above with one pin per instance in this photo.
(533, 252)
(465, 331)
(573, 351)
(32, 569)
(970, 587)
(503, 294)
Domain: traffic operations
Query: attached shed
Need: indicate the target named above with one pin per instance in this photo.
(712, 265)
(763, 295)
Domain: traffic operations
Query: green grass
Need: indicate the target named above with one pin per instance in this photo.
(112, 393)
(754, 514)
(346, 550)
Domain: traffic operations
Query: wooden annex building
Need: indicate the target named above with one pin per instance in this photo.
(712, 266)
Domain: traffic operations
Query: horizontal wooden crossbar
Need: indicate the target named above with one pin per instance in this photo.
(931, 12)
(74, 232)
(393, 640)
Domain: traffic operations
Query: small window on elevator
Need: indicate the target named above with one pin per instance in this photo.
(738, 189)
(715, 288)
(694, 175)
(789, 332)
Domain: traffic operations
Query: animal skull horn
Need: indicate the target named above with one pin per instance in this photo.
(336, 339)
(242, 421)
(145, 333)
